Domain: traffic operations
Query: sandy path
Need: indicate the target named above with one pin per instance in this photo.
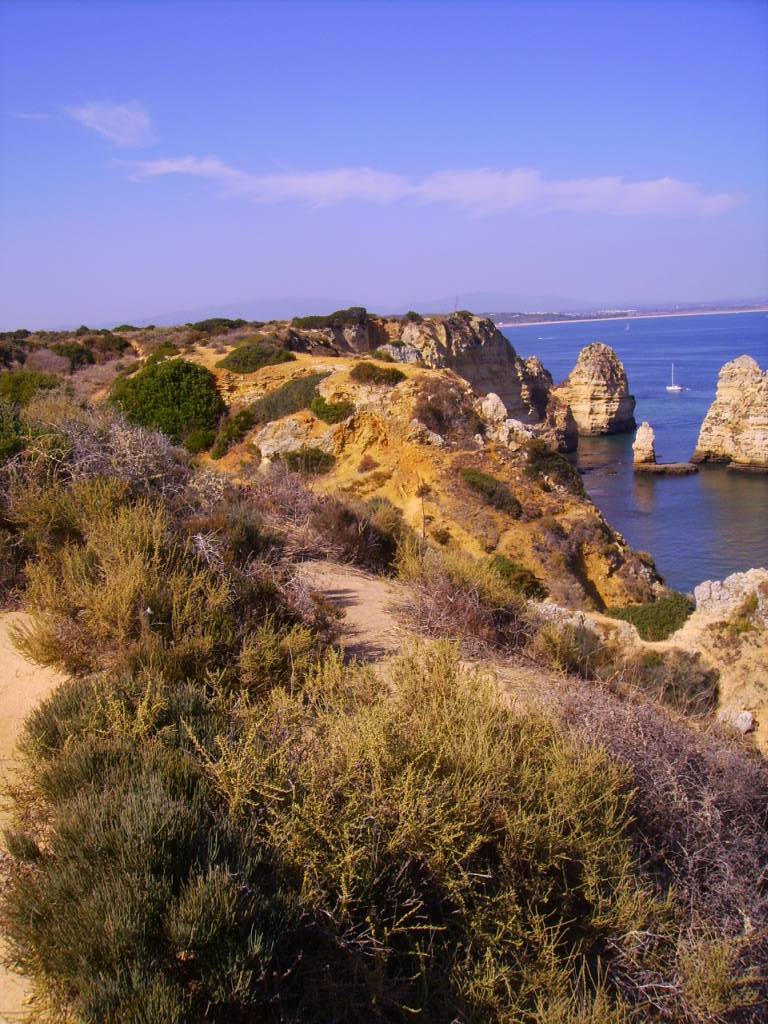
(22, 686)
(369, 629)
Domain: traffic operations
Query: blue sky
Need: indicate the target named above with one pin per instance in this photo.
(168, 155)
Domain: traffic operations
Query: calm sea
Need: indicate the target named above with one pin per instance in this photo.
(696, 527)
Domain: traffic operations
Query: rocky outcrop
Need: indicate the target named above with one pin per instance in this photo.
(735, 430)
(471, 346)
(644, 446)
(724, 598)
(500, 427)
(476, 350)
(597, 392)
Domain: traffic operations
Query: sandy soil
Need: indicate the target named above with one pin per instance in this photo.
(369, 629)
(22, 686)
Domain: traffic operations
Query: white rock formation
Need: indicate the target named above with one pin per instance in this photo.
(723, 598)
(735, 429)
(597, 392)
(644, 446)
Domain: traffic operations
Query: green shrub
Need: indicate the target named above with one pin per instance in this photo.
(413, 317)
(10, 353)
(521, 579)
(331, 412)
(232, 430)
(125, 328)
(10, 429)
(19, 386)
(251, 357)
(382, 355)
(199, 440)
(381, 376)
(494, 492)
(165, 350)
(453, 595)
(108, 346)
(218, 325)
(292, 396)
(77, 354)
(542, 462)
(353, 315)
(176, 397)
(658, 619)
(307, 460)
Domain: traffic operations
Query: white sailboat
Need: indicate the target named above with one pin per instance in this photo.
(673, 386)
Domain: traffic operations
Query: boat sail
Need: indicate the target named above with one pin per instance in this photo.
(673, 386)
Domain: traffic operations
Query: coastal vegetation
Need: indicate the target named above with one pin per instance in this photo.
(379, 376)
(547, 465)
(290, 397)
(219, 817)
(175, 396)
(19, 386)
(492, 490)
(253, 355)
(331, 412)
(658, 619)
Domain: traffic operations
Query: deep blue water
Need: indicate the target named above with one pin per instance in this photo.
(696, 527)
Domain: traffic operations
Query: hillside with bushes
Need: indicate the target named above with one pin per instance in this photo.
(220, 817)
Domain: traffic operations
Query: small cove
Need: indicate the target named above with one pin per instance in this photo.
(698, 527)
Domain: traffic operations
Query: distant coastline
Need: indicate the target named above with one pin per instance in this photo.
(631, 316)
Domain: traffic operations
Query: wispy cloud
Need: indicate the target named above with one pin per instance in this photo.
(30, 117)
(480, 191)
(124, 124)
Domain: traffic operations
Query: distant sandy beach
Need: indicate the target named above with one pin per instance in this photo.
(634, 316)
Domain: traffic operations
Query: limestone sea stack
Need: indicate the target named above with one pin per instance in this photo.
(597, 392)
(735, 430)
(644, 446)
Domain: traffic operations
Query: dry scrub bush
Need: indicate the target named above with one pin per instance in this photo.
(334, 854)
(700, 822)
(453, 595)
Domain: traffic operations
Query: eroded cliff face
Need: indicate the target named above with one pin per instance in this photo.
(597, 392)
(416, 438)
(735, 429)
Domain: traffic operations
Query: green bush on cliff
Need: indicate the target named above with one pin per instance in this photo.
(253, 356)
(380, 376)
(176, 396)
(493, 491)
(292, 396)
(331, 412)
(542, 462)
(307, 460)
(658, 619)
(521, 579)
(353, 315)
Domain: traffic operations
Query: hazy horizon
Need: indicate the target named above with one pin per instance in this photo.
(185, 156)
